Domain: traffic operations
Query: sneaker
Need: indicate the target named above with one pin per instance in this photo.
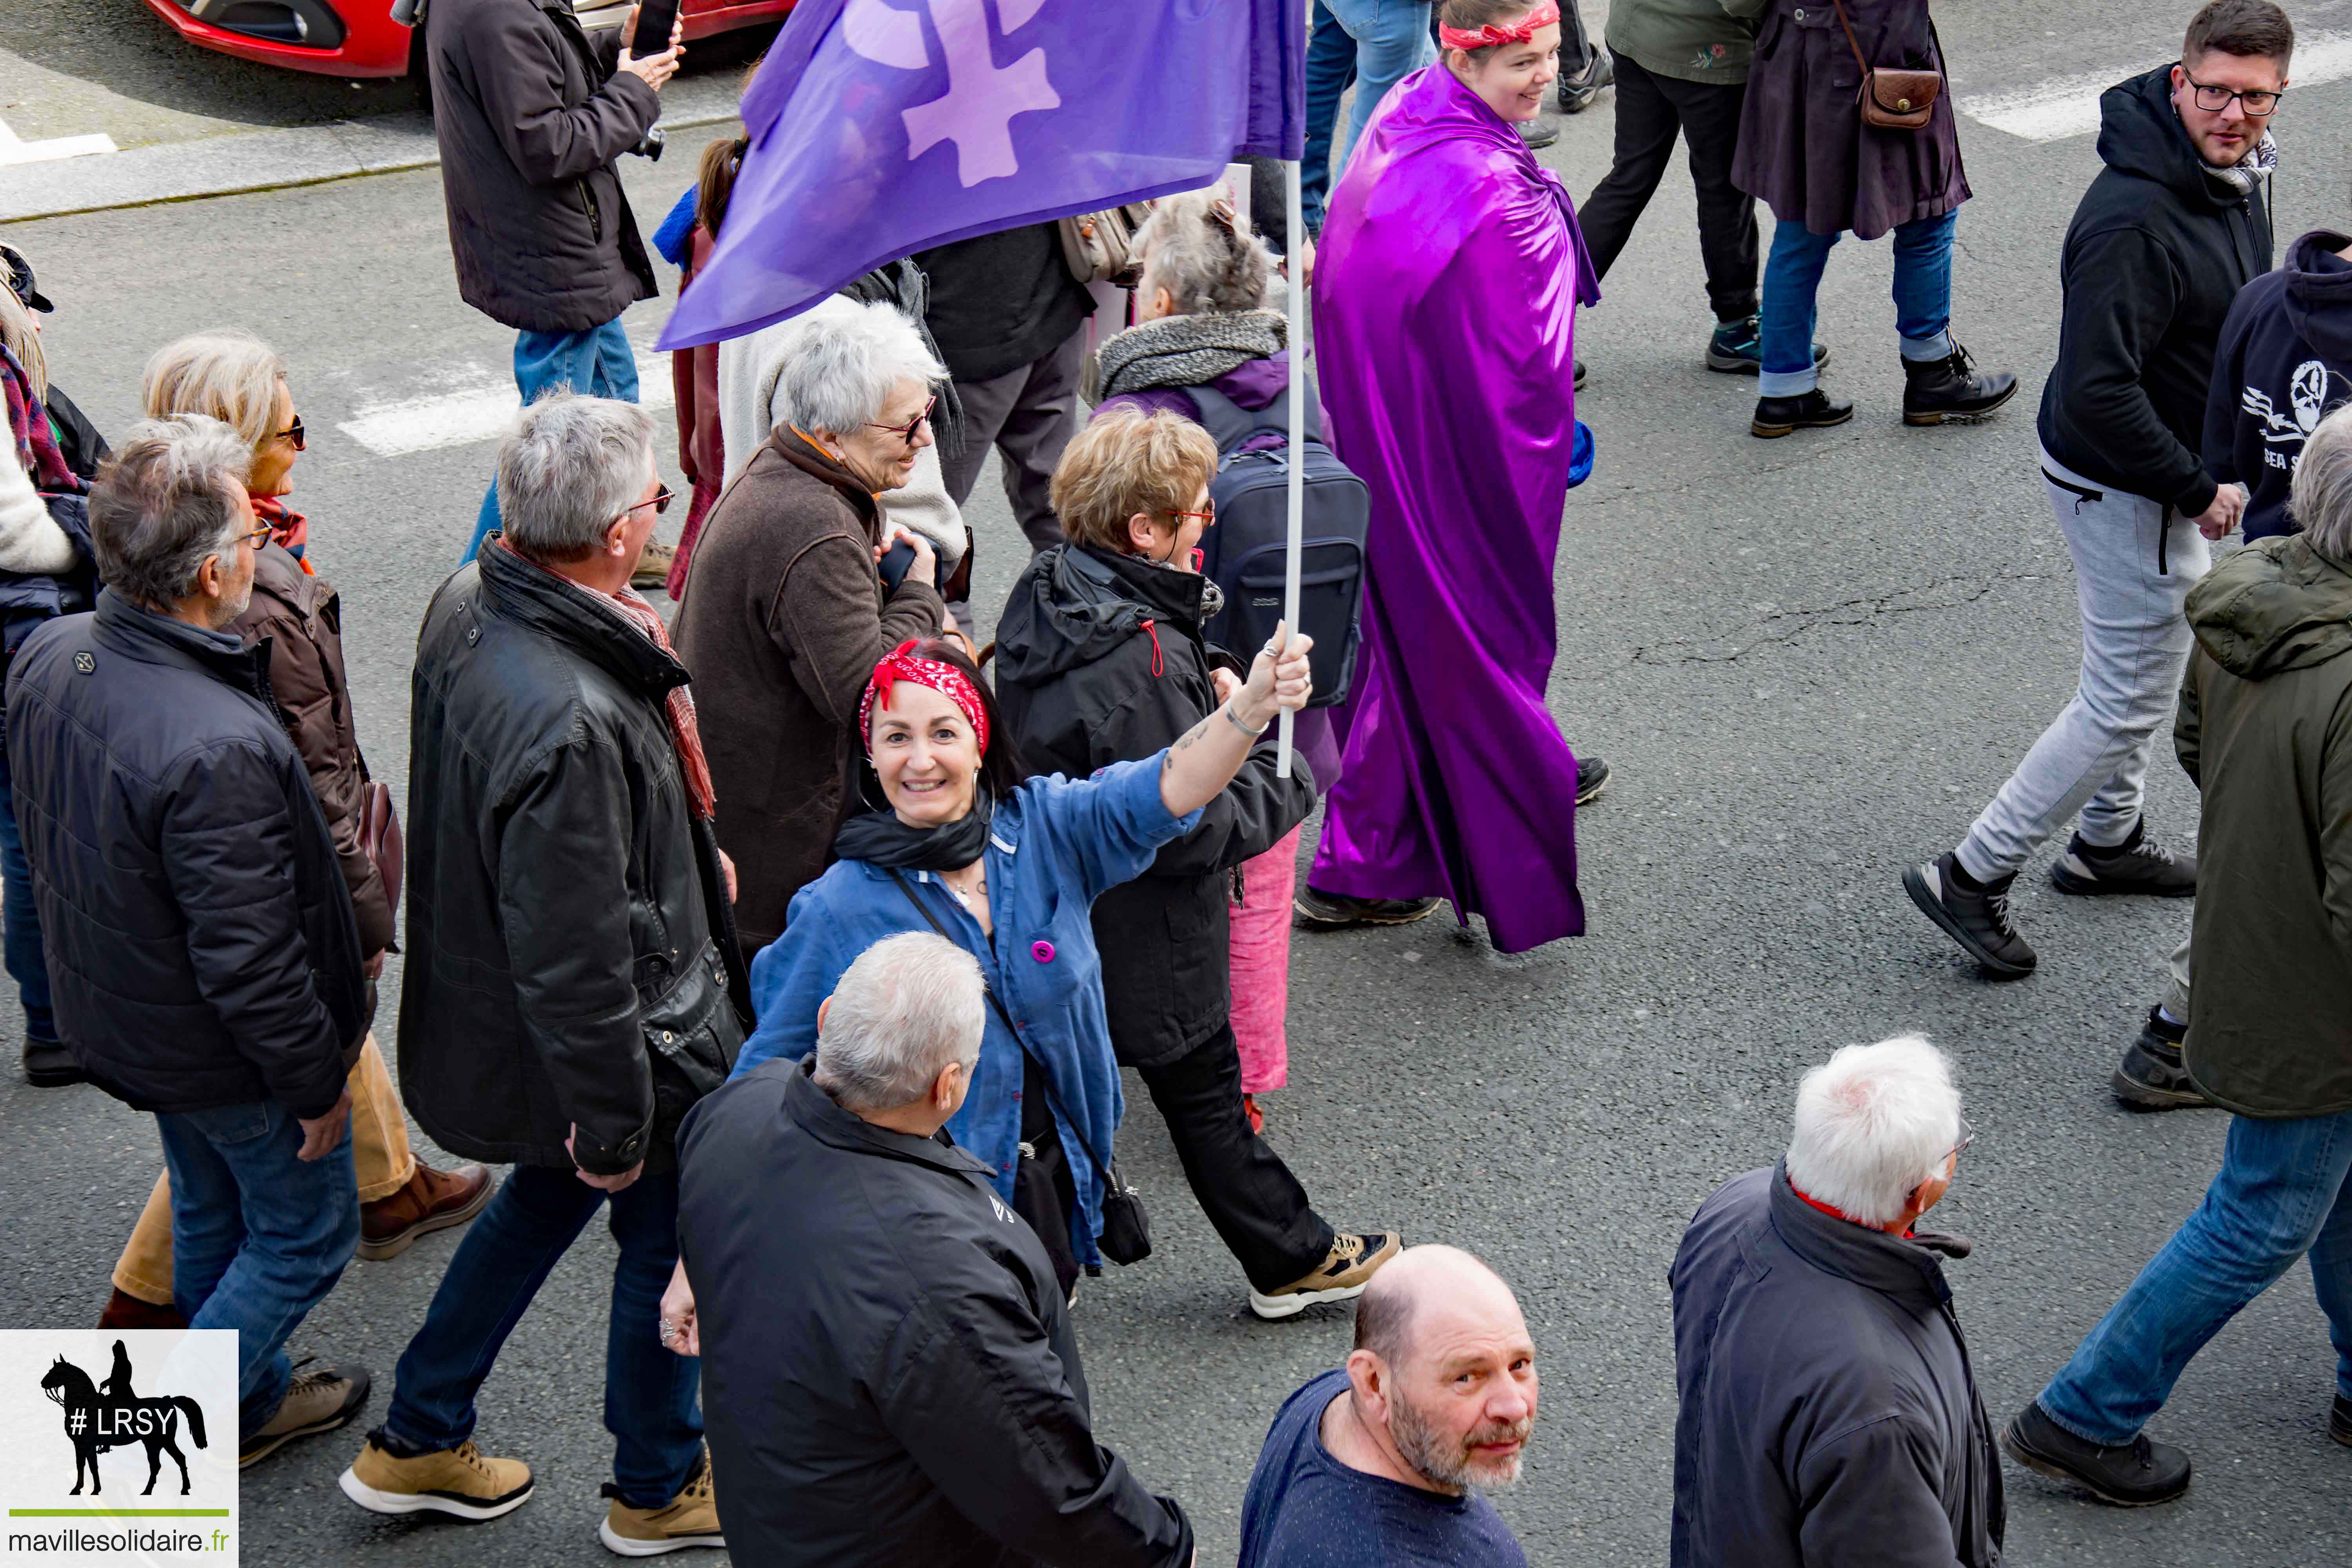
(1578, 88)
(125, 1311)
(1342, 1274)
(1540, 133)
(2134, 1475)
(459, 1481)
(1592, 780)
(2153, 1076)
(1329, 912)
(1579, 376)
(1935, 390)
(48, 1064)
(1978, 922)
(433, 1200)
(1814, 410)
(653, 566)
(690, 1519)
(2339, 1421)
(1737, 348)
(315, 1402)
(2140, 864)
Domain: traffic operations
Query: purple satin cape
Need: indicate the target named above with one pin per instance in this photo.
(1445, 292)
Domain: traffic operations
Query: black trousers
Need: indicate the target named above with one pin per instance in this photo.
(1651, 110)
(1250, 1196)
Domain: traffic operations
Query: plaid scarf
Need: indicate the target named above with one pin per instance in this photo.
(28, 426)
(2248, 172)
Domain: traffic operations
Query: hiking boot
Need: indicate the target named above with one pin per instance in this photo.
(433, 1200)
(1331, 911)
(1540, 133)
(2153, 1076)
(125, 1311)
(653, 566)
(1737, 348)
(48, 1064)
(2339, 1421)
(1578, 88)
(1342, 1274)
(1591, 779)
(459, 1481)
(315, 1402)
(1979, 920)
(2138, 865)
(1935, 390)
(1814, 410)
(690, 1519)
(2134, 1475)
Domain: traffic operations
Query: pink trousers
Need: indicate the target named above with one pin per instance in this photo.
(1261, 966)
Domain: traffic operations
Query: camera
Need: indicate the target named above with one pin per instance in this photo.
(650, 144)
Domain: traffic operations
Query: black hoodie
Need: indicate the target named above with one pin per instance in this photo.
(2159, 247)
(2286, 360)
(1099, 659)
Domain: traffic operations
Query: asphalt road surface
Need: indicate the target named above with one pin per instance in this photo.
(1809, 662)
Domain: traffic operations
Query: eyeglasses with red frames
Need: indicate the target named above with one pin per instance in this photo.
(1208, 519)
(907, 432)
(658, 500)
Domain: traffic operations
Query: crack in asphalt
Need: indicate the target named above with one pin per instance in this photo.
(1845, 612)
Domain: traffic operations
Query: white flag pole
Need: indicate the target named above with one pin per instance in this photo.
(1295, 247)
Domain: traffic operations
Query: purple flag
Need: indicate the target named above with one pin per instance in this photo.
(881, 127)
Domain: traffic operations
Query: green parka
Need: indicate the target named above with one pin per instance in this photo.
(2265, 729)
(1696, 40)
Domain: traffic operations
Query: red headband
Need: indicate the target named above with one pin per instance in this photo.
(1534, 21)
(900, 664)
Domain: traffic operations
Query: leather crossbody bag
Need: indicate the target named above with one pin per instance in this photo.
(1892, 99)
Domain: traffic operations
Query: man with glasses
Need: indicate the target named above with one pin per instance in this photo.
(1828, 1412)
(2176, 224)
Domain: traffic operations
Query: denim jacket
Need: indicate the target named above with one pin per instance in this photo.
(1053, 849)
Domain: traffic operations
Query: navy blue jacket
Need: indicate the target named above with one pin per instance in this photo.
(2285, 361)
(1829, 1417)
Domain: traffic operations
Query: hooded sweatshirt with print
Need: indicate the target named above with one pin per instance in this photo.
(2286, 360)
(2159, 247)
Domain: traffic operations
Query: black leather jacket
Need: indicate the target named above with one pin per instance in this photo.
(571, 957)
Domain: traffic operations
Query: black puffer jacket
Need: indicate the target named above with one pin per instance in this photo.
(530, 114)
(1098, 660)
(570, 958)
(2159, 247)
(201, 946)
(887, 1363)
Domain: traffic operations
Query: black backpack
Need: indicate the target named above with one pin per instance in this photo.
(1243, 553)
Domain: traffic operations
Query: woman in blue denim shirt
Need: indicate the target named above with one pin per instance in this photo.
(1008, 867)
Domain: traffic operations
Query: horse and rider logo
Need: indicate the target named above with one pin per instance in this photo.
(111, 1415)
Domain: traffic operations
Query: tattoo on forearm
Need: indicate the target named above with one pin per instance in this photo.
(1183, 742)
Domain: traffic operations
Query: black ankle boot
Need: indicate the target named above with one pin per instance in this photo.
(2132, 1474)
(1935, 390)
(1814, 410)
(2153, 1076)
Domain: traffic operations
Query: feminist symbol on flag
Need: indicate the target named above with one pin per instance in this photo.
(977, 110)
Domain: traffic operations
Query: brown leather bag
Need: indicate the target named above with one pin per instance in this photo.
(379, 837)
(1892, 99)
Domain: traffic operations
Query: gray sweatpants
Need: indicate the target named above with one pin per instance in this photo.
(2135, 562)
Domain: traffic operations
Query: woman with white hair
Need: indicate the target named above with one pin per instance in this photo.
(787, 611)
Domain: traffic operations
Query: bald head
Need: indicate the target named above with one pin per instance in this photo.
(1442, 1376)
(1423, 1286)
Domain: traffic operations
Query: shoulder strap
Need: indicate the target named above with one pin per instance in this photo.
(1227, 422)
(1852, 42)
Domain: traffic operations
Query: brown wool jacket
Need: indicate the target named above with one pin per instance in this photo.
(783, 621)
(302, 616)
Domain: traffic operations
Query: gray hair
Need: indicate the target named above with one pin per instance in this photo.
(2320, 499)
(909, 1004)
(232, 376)
(841, 366)
(170, 499)
(1203, 253)
(572, 465)
(19, 337)
(1873, 1123)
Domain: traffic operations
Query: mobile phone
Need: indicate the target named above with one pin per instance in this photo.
(655, 18)
(896, 562)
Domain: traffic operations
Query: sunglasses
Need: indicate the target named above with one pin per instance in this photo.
(293, 433)
(907, 432)
(658, 500)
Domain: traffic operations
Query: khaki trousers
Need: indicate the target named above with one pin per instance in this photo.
(380, 1154)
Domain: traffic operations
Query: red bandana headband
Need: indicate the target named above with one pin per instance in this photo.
(1534, 22)
(900, 664)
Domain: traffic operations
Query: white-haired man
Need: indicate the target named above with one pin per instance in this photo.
(891, 1372)
(1829, 1414)
(786, 612)
(1379, 1463)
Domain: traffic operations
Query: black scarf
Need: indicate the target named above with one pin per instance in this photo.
(879, 838)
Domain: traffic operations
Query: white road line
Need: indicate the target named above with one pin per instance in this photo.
(14, 149)
(2069, 106)
(461, 418)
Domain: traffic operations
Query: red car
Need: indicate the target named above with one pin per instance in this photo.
(359, 38)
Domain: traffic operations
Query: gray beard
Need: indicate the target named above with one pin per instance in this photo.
(1439, 1457)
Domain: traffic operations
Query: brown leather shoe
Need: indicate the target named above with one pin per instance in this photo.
(124, 1310)
(433, 1200)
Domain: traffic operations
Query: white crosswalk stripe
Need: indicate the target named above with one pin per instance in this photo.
(460, 418)
(2069, 105)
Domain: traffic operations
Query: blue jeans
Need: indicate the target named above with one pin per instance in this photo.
(1330, 66)
(2282, 1194)
(1792, 276)
(598, 362)
(1392, 41)
(259, 1234)
(653, 1405)
(20, 922)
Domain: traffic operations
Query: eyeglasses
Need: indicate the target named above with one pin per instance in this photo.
(293, 433)
(2215, 98)
(1208, 519)
(658, 500)
(1967, 1136)
(256, 539)
(907, 432)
